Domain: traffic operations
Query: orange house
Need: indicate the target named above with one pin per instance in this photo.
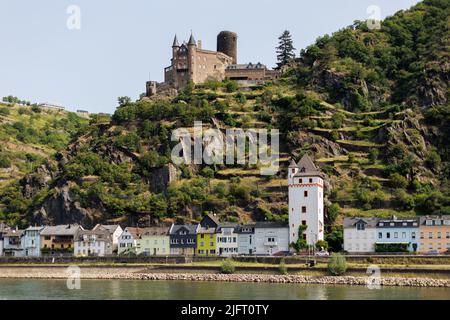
(434, 234)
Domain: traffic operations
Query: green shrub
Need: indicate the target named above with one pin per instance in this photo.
(398, 181)
(5, 162)
(337, 265)
(4, 111)
(282, 267)
(322, 244)
(227, 266)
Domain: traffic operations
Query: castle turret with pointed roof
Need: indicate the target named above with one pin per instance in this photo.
(306, 200)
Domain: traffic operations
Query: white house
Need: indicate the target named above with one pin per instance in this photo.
(306, 205)
(227, 239)
(3, 230)
(13, 243)
(96, 243)
(398, 233)
(32, 241)
(114, 230)
(246, 239)
(360, 234)
(129, 240)
(271, 238)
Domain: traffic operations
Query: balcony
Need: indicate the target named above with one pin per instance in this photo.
(63, 240)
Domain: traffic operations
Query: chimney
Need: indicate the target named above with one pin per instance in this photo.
(199, 45)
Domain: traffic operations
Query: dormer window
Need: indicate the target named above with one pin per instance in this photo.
(303, 169)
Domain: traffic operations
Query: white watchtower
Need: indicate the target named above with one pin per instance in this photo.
(306, 188)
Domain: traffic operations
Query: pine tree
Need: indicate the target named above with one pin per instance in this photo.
(285, 50)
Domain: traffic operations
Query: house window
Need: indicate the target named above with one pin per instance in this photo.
(413, 235)
(303, 209)
(395, 235)
(303, 222)
(422, 235)
(430, 235)
(439, 235)
(310, 180)
(360, 226)
(305, 193)
(380, 235)
(300, 181)
(388, 235)
(447, 235)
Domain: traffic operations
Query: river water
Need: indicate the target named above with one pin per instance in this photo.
(181, 290)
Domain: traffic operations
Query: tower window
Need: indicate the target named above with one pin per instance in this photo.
(304, 209)
(305, 194)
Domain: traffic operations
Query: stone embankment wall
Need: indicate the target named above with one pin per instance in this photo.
(140, 274)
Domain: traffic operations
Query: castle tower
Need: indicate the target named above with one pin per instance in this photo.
(192, 46)
(227, 43)
(175, 46)
(306, 205)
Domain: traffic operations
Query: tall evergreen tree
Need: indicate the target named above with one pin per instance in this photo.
(285, 50)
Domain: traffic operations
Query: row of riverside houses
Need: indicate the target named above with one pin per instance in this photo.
(65, 240)
(422, 234)
(208, 238)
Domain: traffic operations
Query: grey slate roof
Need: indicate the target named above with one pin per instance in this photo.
(192, 228)
(13, 233)
(155, 231)
(271, 224)
(101, 234)
(192, 40)
(61, 230)
(350, 222)
(240, 228)
(34, 228)
(110, 227)
(227, 225)
(424, 219)
(307, 167)
(246, 66)
(398, 223)
(175, 42)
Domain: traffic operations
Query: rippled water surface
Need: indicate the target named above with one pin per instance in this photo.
(180, 290)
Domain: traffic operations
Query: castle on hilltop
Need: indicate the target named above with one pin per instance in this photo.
(191, 63)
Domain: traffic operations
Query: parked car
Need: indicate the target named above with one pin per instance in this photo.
(322, 253)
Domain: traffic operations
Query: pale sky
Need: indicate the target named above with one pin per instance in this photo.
(121, 43)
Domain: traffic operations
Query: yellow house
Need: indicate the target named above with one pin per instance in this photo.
(434, 234)
(206, 242)
(59, 239)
